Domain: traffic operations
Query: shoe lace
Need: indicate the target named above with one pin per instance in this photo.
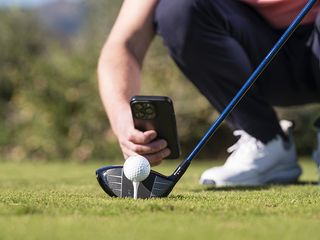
(246, 141)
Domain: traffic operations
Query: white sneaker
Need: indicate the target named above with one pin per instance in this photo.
(253, 163)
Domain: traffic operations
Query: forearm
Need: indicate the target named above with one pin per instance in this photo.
(121, 59)
(119, 80)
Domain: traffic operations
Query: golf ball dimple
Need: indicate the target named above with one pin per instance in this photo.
(136, 168)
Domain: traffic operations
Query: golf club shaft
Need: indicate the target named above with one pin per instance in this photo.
(248, 84)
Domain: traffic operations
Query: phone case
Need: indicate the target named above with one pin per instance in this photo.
(157, 113)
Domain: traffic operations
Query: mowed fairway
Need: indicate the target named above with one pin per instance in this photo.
(64, 201)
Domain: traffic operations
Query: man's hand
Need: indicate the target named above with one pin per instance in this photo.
(133, 142)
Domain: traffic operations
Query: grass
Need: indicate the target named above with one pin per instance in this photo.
(64, 201)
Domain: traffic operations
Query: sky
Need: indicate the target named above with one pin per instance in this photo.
(24, 3)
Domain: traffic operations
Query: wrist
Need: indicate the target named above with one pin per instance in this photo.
(121, 121)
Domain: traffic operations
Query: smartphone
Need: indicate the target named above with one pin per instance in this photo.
(157, 113)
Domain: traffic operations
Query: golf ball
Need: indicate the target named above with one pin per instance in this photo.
(136, 168)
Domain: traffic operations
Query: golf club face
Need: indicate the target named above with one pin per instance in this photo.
(113, 181)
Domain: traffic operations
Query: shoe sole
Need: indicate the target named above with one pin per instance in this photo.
(280, 175)
(283, 176)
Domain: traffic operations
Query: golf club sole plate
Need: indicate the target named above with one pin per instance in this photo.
(115, 184)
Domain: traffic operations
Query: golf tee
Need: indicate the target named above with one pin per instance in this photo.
(135, 189)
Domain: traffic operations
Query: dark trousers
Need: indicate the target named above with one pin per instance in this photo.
(218, 43)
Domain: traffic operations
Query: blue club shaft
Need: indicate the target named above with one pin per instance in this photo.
(245, 88)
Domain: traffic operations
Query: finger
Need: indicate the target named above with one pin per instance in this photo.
(156, 158)
(139, 137)
(150, 135)
(153, 147)
(127, 153)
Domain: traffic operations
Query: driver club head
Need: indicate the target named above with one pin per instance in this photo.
(113, 181)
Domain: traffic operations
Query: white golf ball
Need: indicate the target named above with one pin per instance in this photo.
(136, 168)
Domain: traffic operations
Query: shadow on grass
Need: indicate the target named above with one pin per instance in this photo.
(306, 183)
(255, 188)
(238, 188)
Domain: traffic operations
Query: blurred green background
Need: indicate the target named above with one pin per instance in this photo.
(49, 102)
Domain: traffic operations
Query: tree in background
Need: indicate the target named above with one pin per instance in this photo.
(49, 102)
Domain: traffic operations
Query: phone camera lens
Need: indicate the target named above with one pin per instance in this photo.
(144, 111)
(138, 106)
(140, 115)
(149, 110)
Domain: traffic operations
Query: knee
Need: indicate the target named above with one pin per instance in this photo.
(317, 21)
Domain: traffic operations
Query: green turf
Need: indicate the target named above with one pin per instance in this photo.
(63, 201)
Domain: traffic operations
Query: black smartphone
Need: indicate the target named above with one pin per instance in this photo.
(157, 113)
